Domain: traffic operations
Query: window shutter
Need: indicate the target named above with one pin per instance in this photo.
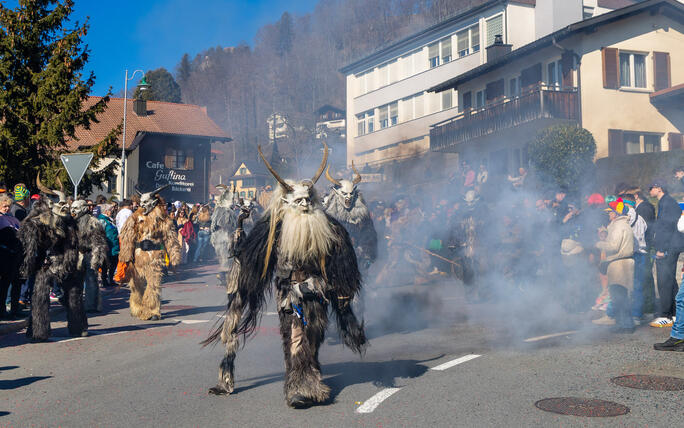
(531, 76)
(661, 70)
(566, 70)
(611, 71)
(616, 146)
(467, 100)
(495, 90)
(675, 141)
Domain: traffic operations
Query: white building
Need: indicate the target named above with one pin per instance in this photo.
(389, 111)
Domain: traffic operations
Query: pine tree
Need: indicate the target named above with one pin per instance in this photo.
(183, 70)
(163, 87)
(43, 90)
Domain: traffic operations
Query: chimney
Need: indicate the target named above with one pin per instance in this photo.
(140, 107)
(497, 49)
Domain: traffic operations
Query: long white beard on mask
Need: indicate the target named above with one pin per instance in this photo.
(305, 237)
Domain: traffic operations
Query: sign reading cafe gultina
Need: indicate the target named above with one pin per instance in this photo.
(176, 180)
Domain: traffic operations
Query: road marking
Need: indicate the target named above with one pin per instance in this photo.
(191, 321)
(548, 336)
(270, 313)
(375, 400)
(456, 362)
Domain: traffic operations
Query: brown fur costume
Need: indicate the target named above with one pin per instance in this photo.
(157, 229)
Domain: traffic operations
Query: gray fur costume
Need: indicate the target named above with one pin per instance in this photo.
(223, 224)
(49, 237)
(92, 250)
(304, 291)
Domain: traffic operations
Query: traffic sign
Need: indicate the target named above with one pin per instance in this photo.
(76, 165)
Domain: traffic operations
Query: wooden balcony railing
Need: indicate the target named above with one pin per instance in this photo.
(537, 103)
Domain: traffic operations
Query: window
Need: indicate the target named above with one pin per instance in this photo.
(370, 121)
(632, 143)
(446, 50)
(446, 99)
(242, 194)
(384, 116)
(243, 171)
(553, 74)
(480, 99)
(651, 143)
(178, 159)
(494, 28)
(514, 87)
(394, 113)
(468, 41)
(433, 54)
(250, 194)
(360, 124)
(632, 70)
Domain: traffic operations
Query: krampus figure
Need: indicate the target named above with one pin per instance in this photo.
(223, 225)
(146, 236)
(10, 256)
(92, 249)
(467, 238)
(49, 237)
(310, 259)
(345, 203)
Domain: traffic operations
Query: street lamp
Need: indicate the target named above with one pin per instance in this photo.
(143, 86)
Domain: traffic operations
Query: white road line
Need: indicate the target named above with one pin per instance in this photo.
(375, 400)
(548, 336)
(270, 313)
(191, 321)
(455, 362)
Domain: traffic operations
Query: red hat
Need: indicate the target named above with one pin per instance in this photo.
(595, 199)
(35, 197)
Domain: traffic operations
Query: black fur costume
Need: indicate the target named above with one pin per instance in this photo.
(93, 250)
(50, 246)
(302, 331)
(10, 260)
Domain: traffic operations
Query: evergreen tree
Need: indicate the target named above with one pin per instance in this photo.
(286, 34)
(43, 90)
(184, 69)
(163, 87)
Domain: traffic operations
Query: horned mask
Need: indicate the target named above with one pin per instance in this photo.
(299, 195)
(60, 207)
(150, 200)
(79, 208)
(345, 190)
(227, 197)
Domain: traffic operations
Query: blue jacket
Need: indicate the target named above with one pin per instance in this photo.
(112, 234)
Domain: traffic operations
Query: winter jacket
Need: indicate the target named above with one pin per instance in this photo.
(619, 249)
(665, 235)
(638, 225)
(112, 234)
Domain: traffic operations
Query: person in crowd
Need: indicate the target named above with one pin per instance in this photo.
(666, 243)
(10, 258)
(203, 231)
(676, 340)
(638, 225)
(482, 176)
(559, 206)
(518, 182)
(468, 176)
(20, 207)
(112, 233)
(646, 210)
(619, 268)
(125, 211)
(100, 199)
(679, 175)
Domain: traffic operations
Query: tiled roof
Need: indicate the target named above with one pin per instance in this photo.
(162, 118)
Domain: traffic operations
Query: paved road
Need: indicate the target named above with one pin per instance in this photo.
(134, 373)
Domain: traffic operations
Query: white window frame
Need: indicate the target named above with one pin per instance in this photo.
(450, 94)
(632, 70)
(641, 140)
(503, 29)
(433, 61)
(444, 57)
(558, 75)
(480, 99)
(393, 108)
(470, 48)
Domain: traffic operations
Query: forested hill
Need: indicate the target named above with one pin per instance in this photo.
(291, 67)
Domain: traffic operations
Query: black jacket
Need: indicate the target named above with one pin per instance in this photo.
(665, 234)
(18, 211)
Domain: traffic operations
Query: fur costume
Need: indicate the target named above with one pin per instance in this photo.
(92, 249)
(309, 257)
(49, 237)
(145, 237)
(346, 204)
(223, 225)
(10, 254)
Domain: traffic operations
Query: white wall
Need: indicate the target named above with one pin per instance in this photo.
(552, 15)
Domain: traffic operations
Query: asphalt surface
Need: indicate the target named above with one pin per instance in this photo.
(134, 373)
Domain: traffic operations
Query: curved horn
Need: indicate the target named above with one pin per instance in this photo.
(330, 178)
(42, 187)
(59, 183)
(156, 192)
(357, 175)
(223, 187)
(318, 173)
(273, 173)
(60, 192)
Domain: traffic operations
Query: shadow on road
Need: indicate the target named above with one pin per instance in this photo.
(192, 310)
(18, 383)
(3, 413)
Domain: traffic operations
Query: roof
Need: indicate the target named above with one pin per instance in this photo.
(587, 24)
(162, 118)
(255, 168)
(327, 108)
(674, 94)
(405, 42)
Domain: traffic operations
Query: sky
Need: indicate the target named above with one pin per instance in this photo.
(128, 34)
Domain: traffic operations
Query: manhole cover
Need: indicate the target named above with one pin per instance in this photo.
(655, 383)
(582, 407)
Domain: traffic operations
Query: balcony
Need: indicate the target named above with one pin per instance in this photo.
(541, 102)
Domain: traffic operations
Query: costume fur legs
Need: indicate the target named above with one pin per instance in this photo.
(39, 322)
(145, 299)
